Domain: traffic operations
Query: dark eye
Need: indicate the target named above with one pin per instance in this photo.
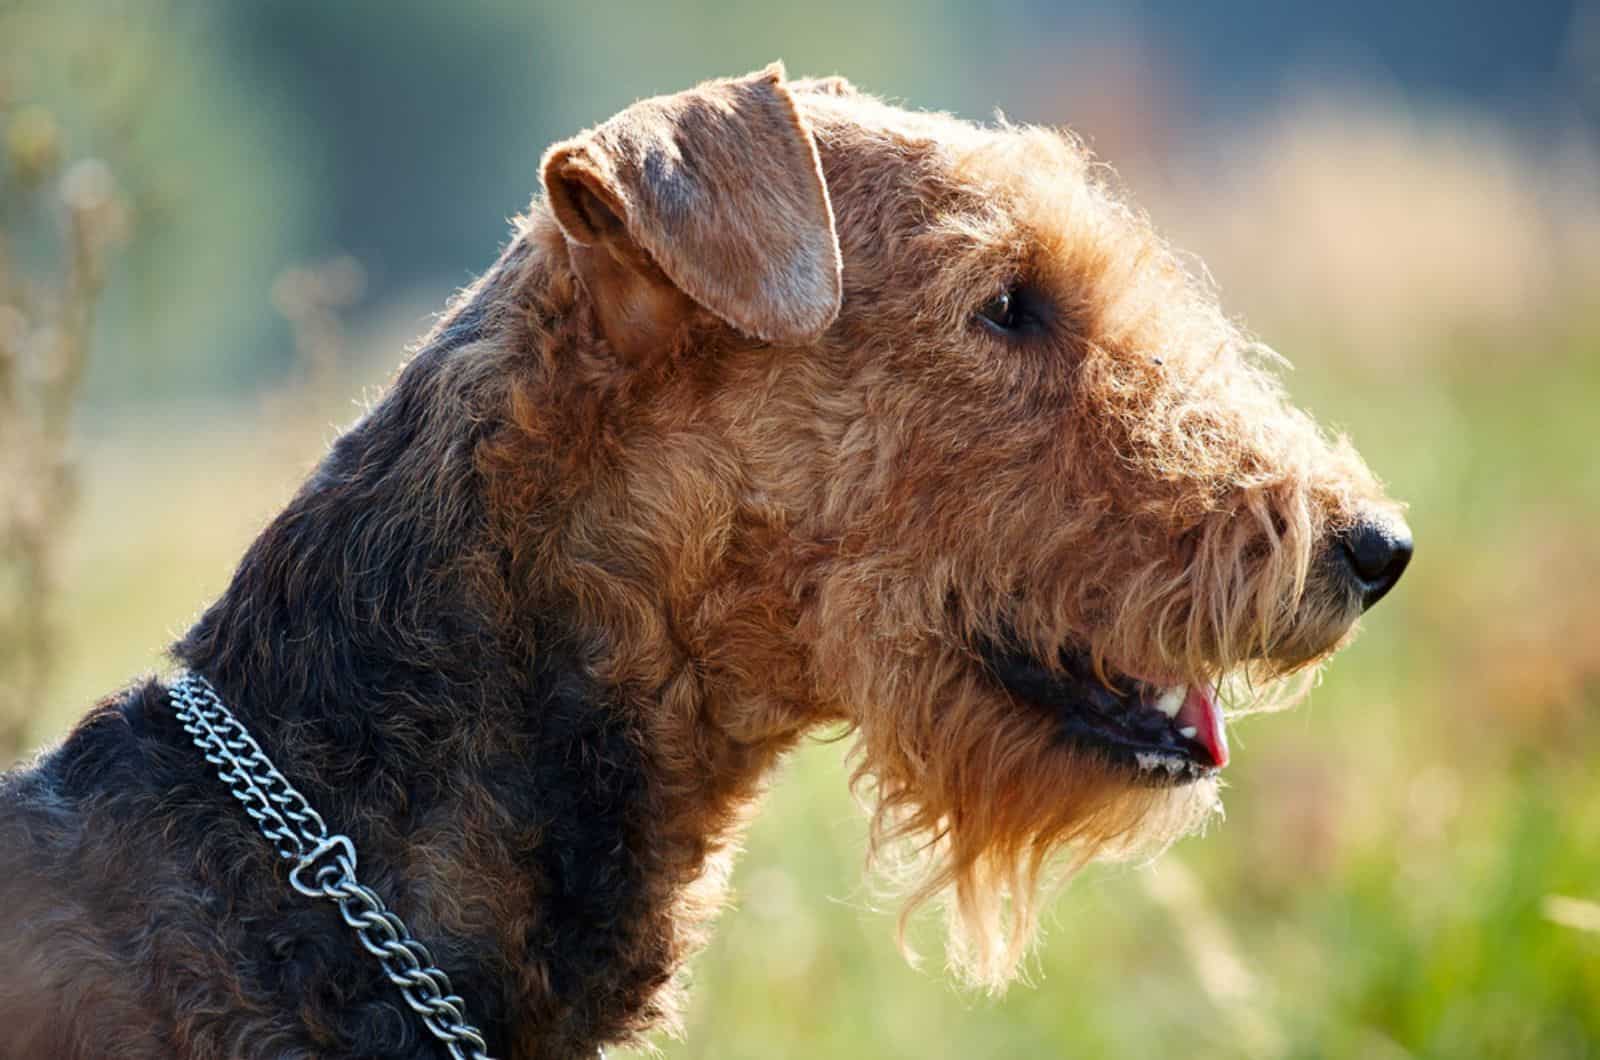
(1001, 311)
(1018, 311)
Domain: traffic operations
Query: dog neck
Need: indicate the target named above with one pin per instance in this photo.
(399, 645)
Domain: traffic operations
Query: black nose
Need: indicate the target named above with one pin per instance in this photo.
(1377, 553)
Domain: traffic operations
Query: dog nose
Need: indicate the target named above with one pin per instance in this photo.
(1377, 553)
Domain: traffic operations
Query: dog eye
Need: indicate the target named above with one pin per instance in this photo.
(1018, 312)
(1000, 311)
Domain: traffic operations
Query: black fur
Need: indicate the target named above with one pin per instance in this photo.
(352, 644)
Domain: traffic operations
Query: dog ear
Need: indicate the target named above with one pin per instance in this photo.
(721, 190)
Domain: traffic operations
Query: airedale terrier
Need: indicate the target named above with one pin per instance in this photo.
(784, 407)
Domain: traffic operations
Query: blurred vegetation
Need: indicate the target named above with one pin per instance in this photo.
(45, 325)
(1411, 862)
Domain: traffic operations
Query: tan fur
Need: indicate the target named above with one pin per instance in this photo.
(771, 534)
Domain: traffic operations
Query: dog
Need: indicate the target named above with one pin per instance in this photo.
(782, 408)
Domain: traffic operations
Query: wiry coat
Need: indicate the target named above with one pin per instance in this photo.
(711, 456)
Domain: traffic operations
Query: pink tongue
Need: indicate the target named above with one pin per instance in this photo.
(1200, 710)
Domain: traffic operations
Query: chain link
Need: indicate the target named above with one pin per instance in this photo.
(324, 864)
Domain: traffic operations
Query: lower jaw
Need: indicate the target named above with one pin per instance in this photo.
(1160, 737)
(1141, 766)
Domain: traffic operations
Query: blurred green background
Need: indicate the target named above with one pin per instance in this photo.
(1404, 199)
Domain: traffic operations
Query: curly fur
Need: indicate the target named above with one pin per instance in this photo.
(539, 626)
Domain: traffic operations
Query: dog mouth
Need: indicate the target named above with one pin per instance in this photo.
(1164, 735)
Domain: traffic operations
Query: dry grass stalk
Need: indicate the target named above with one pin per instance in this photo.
(45, 328)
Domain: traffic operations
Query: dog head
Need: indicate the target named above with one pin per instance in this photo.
(927, 431)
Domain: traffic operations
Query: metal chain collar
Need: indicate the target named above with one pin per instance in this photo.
(324, 864)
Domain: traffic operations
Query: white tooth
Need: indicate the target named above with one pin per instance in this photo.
(1188, 732)
(1171, 701)
(1150, 762)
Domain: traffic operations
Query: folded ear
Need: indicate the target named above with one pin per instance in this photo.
(719, 188)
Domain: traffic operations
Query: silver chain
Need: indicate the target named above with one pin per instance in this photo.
(324, 864)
